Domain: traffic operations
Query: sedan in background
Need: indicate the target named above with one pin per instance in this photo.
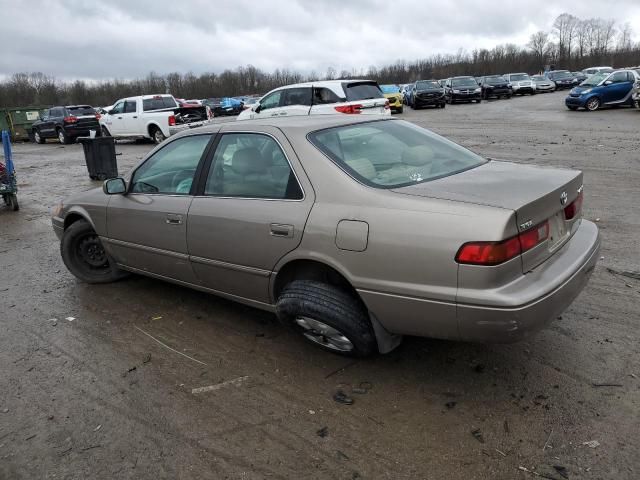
(580, 76)
(392, 93)
(543, 84)
(462, 89)
(611, 89)
(494, 86)
(425, 93)
(353, 230)
(562, 78)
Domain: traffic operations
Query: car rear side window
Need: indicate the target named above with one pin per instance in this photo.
(130, 106)
(362, 91)
(324, 95)
(171, 169)
(390, 154)
(251, 165)
(158, 103)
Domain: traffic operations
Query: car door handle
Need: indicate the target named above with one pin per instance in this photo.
(135, 116)
(119, 118)
(280, 230)
(173, 219)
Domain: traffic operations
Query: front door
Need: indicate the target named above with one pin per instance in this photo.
(269, 106)
(147, 227)
(130, 118)
(115, 121)
(250, 213)
(619, 89)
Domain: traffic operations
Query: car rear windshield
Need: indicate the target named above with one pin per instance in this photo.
(362, 91)
(393, 153)
(158, 103)
(464, 82)
(81, 110)
(389, 88)
(519, 77)
(426, 85)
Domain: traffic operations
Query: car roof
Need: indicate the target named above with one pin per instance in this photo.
(324, 83)
(302, 124)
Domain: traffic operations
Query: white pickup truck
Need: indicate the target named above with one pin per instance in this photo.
(155, 117)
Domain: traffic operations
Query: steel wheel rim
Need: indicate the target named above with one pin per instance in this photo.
(323, 334)
(159, 137)
(593, 104)
(92, 253)
(36, 136)
(61, 136)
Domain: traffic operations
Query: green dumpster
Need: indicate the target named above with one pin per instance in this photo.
(21, 120)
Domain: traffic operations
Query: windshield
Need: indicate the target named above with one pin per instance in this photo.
(389, 88)
(81, 110)
(390, 154)
(427, 85)
(594, 80)
(362, 91)
(495, 79)
(538, 78)
(519, 77)
(560, 75)
(464, 82)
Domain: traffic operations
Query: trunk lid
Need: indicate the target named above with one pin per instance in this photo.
(536, 194)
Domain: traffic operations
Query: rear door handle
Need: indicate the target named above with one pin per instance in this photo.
(135, 116)
(280, 230)
(173, 219)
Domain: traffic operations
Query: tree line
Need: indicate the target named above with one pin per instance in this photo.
(571, 43)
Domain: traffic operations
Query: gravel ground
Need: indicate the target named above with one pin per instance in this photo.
(97, 396)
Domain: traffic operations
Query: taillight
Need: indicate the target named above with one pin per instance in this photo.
(386, 105)
(350, 109)
(494, 253)
(98, 116)
(70, 119)
(572, 210)
(172, 120)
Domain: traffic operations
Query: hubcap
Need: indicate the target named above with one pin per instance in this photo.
(92, 252)
(37, 137)
(593, 104)
(322, 334)
(61, 136)
(159, 136)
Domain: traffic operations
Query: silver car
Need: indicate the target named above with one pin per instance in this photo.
(543, 84)
(354, 231)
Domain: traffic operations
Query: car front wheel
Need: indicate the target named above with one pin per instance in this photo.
(593, 104)
(85, 257)
(328, 317)
(37, 137)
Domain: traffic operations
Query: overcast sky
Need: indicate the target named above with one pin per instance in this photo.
(129, 38)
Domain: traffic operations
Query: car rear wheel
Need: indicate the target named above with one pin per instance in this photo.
(37, 137)
(157, 135)
(62, 137)
(85, 257)
(593, 104)
(328, 317)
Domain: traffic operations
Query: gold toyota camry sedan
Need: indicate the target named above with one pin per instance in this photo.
(354, 231)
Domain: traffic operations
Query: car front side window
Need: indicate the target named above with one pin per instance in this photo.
(118, 108)
(251, 165)
(618, 77)
(171, 170)
(271, 101)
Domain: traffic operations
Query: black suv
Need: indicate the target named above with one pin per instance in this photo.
(462, 89)
(426, 92)
(494, 86)
(66, 123)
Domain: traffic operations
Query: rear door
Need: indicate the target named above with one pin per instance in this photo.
(295, 102)
(47, 126)
(147, 227)
(251, 210)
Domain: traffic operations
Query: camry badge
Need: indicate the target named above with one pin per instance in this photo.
(563, 198)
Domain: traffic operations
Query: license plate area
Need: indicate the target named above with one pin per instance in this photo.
(558, 231)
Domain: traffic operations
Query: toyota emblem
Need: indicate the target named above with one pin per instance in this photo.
(563, 198)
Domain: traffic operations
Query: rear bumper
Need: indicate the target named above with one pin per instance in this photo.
(561, 278)
(187, 126)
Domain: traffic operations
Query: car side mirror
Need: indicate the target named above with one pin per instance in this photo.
(608, 82)
(257, 108)
(114, 186)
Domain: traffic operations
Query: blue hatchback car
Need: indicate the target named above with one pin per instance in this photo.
(613, 88)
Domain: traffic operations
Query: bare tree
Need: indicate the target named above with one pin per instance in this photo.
(564, 29)
(624, 38)
(539, 45)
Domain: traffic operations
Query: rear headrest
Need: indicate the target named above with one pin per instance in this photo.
(248, 160)
(417, 156)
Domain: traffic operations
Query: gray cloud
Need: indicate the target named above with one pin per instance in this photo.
(125, 39)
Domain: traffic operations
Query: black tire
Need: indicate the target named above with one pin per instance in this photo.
(85, 257)
(479, 101)
(308, 300)
(13, 202)
(156, 135)
(37, 137)
(592, 104)
(442, 105)
(63, 138)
